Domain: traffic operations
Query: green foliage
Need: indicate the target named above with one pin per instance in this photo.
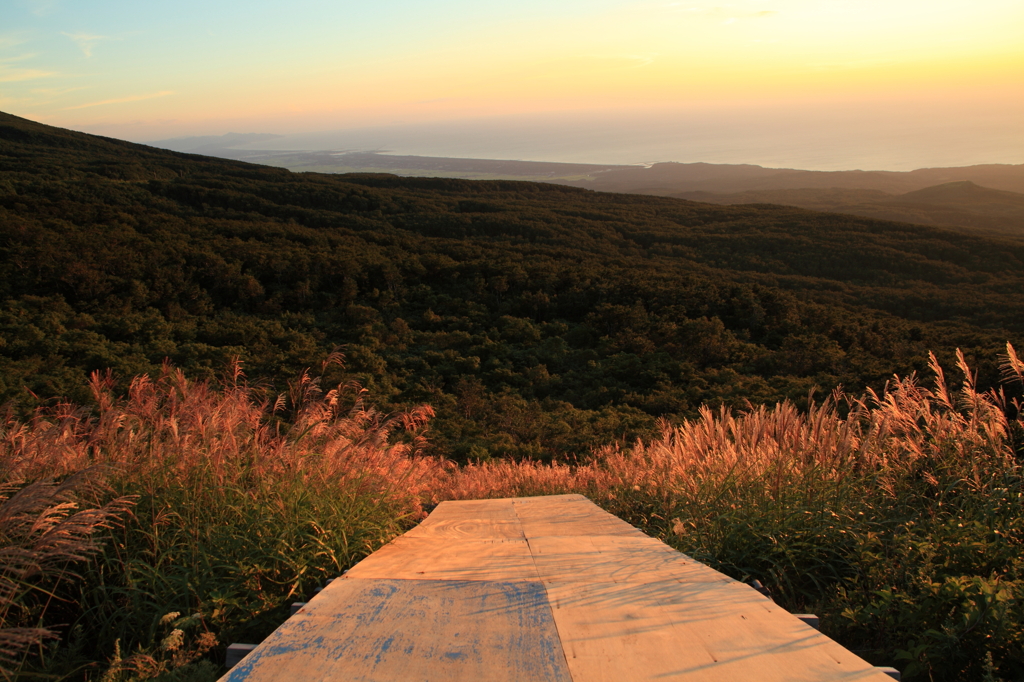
(899, 519)
(541, 322)
(926, 575)
(236, 557)
(240, 506)
(948, 584)
(895, 577)
(599, 312)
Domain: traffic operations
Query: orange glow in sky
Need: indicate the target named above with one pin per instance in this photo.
(152, 70)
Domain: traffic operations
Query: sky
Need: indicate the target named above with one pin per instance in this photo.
(823, 83)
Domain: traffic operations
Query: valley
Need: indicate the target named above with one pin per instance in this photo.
(984, 200)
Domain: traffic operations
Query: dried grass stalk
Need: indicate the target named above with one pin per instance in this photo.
(43, 531)
(905, 428)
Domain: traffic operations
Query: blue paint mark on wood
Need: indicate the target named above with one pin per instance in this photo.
(464, 599)
(430, 630)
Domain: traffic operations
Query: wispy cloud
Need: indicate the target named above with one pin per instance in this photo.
(121, 100)
(11, 39)
(16, 58)
(714, 12)
(627, 60)
(11, 68)
(437, 101)
(56, 92)
(640, 59)
(850, 65)
(17, 75)
(41, 8)
(86, 41)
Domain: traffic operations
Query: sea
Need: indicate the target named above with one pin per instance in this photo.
(837, 139)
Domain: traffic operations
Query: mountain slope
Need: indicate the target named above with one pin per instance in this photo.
(853, 192)
(963, 193)
(957, 205)
(540, 320)
(671, 178)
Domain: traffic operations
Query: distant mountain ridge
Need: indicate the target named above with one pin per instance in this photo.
(672, 178)
(233, 146)
(538, 319)
(960, 205)
(964, 198)
(662, 179)
(212, 145)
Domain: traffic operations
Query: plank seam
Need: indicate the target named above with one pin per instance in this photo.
(547, 596)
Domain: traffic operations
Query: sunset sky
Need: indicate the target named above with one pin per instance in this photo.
(144, 71)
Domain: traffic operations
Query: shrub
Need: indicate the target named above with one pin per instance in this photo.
(244, 503)
(896, 516)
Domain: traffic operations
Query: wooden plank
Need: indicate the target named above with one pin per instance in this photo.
(702, 632)
(599, 600)
(429, 630)
(566, 515)
(573, 499)
(615, 559)
(475, 519)
(478, 528)
(469, 529)
(494, 510)
(434, 558)
(565, 527)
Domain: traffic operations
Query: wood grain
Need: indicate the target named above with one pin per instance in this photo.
(702, 632)
(429, 630)
(615, 558)
(543, 588)
(432, 558)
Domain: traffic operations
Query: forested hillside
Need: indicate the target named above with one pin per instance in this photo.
(962, 206)
(538, 320)
(668, 178)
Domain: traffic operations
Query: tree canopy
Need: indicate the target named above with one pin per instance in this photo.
(539, 320)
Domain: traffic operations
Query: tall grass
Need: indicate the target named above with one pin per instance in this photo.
(43, 533)
(896, 516)
(244, 503)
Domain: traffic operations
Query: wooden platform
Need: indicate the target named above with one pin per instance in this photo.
(542, 588)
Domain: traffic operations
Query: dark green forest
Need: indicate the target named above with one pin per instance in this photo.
(538, 320)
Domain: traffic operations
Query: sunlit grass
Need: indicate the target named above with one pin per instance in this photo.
(895, 516)
(244, 503)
